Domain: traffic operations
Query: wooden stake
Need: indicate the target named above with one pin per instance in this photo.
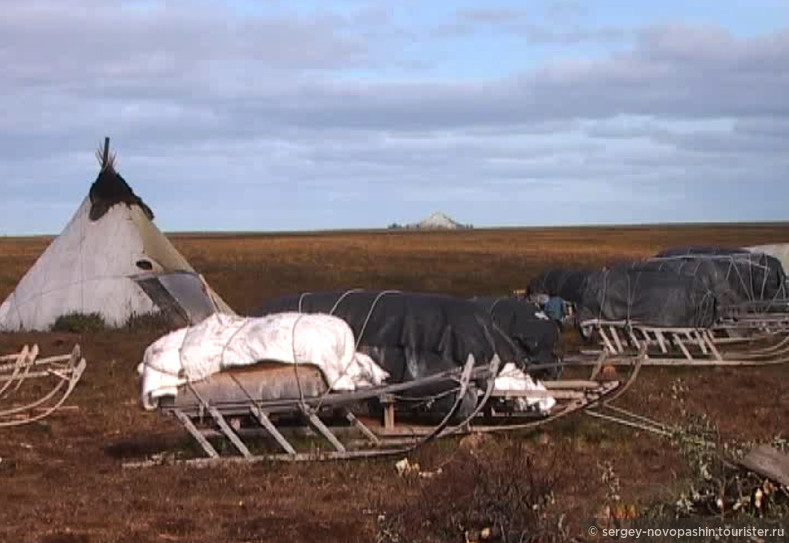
(106, 156)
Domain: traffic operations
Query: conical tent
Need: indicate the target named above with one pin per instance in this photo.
(111, 260)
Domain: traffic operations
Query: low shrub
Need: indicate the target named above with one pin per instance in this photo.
(79, 323)
(496, 496)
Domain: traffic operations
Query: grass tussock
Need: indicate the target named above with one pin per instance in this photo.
(80, 323)
(91, 323)
(496, 495)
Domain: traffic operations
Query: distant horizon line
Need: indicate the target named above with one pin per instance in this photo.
(473, 228)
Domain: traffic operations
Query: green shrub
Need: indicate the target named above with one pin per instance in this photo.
(149, 322)
(79, 323)
(718, 486)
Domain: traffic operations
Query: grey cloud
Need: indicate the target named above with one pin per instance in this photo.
(774, 127)
(557, 28)
(545, 34)
(51, 43)
(667, 73)
(534, 33)
(562, 10)
(722, 142)
(490, 15)
(634, 129)
(747, 135)
(645, 81)
(197, 108)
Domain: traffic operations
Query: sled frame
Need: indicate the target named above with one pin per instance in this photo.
(206, 419)
(64, 371)
(680, 346)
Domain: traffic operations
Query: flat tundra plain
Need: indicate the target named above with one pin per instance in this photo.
(63, 481)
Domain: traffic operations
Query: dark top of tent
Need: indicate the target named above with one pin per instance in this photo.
(648, 297)
(110, 189)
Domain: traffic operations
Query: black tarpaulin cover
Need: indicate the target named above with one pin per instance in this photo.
(411, 335)
(566, 284)
(654, 298)
(535, 335)
(699, 250)
(715, 276)
(752, 277)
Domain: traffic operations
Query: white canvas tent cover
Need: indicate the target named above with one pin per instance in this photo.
(118, 265)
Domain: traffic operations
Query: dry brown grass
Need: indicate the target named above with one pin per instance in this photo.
(62, 480)
(246, 269)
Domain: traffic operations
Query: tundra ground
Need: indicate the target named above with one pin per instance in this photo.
(62, 479)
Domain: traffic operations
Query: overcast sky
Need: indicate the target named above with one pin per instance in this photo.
(299, 115)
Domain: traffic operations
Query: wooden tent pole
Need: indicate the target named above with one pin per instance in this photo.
(106, 155)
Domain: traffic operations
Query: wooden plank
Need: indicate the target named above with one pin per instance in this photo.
(615, 335)
(768, 462)
(661, 341)
(14, 356)
(568, 383)
(362, 428)
(35, 361)
(701, 342)
(679, 343)
(190, 427)
(633, 338)
(558, 394)
(628, 361)
(26, 364)
(266, 423)
(229, 433)
(606, 341)
(389, 411)
(317, 423)
(34, 375)
(707, 336)
(18, 363)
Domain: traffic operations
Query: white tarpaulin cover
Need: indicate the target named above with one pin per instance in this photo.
(224, 341)
(513, 378)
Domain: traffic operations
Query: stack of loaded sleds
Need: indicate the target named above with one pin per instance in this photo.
(358, 373)
(692, 306)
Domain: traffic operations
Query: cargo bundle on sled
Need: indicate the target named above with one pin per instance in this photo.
(364, 373)
(691, 307)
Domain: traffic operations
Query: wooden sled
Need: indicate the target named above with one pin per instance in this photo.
(665, 346)
(61, 372)
(280, 404)
(750, 326)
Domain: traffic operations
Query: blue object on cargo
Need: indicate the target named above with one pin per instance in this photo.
(554, 308)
